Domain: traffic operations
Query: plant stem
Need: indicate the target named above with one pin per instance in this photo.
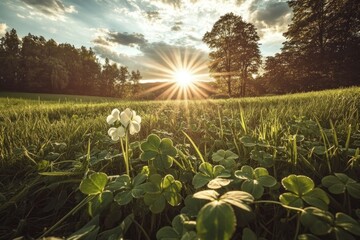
(125, 157)
(279, 203)
(297, 226)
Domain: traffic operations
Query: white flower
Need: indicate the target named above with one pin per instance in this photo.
(116, 133)
(114, 116)
(129, 118)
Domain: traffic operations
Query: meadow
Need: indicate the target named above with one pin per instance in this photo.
(277, 167)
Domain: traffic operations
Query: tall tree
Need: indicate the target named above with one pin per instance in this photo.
(324, 34)
(234, 51)
(135, 79)
(10, 46)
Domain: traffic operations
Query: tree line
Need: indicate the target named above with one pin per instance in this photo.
(34, 64)
(322, 50)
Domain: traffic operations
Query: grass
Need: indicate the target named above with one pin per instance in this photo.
(59, 131)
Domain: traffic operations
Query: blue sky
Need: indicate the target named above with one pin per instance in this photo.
(155, 36)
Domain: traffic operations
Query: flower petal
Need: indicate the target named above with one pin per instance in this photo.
(121, 131)
(111, 131)
(110, 119)
(137, 119)
(125, 117)
(115, 112)
(134, 127)
(113, 116)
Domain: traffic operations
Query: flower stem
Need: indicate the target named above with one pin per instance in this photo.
(125, 156)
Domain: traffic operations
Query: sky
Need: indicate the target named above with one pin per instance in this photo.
(157, 37)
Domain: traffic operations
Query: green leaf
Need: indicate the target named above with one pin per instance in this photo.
(121, 182)
(207, 173)
(317, 198)
(253, 187)
(156, 202)
(298, 184)
(265, 159)
(200, 180)
(318, 221)
(354, 189)
(334, 184)
(217, 183)
(291, 199)
(152, 143)
(161, 151)
(216, 221)
(223, 155)
(123, 198)
(248, 141)
(100, 202)
(226, 158)
(347, 223)
(167, 147)
(163, 162)
(192, 206)
(207, 195)
(340, 183)
(239, 199)
(172, 189)
(94, 183)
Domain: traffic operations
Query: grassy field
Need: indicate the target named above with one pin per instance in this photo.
(49, 144)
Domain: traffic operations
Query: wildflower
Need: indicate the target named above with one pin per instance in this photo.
(129, 119)
(116, 133)
(113, 117)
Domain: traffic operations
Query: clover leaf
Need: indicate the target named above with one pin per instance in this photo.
(263, 158)
(160, 151)
(217, 220)
(340, 182)
(301, 189)
(161, 190)
(178, 230)
(129, 189)
(255, 180)
(94, 183)
(211, 175)
(225, 158)
(322, 222)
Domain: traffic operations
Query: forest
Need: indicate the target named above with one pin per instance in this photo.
(321, 51)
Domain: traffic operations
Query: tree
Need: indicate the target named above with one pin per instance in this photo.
(9, 59)
(135, 79)
(234, 51)
(324, 41)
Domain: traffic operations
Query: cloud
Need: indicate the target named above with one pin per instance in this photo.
(176, 28)
(3, 28)
(126, 38)
(273, 13)
(152, 15)
(271, 19)
(175, 3)
(51, 9)
(101, 41)
(158, 58)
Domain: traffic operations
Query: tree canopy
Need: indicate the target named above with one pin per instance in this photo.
(34, 64)
(234, 54)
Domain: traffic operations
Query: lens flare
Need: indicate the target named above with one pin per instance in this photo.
(183, 78)
(180, 74)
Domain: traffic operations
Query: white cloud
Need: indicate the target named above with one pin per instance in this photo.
(51, 9)
(3, 28)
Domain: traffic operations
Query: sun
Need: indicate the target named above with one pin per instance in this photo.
(184, 78)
